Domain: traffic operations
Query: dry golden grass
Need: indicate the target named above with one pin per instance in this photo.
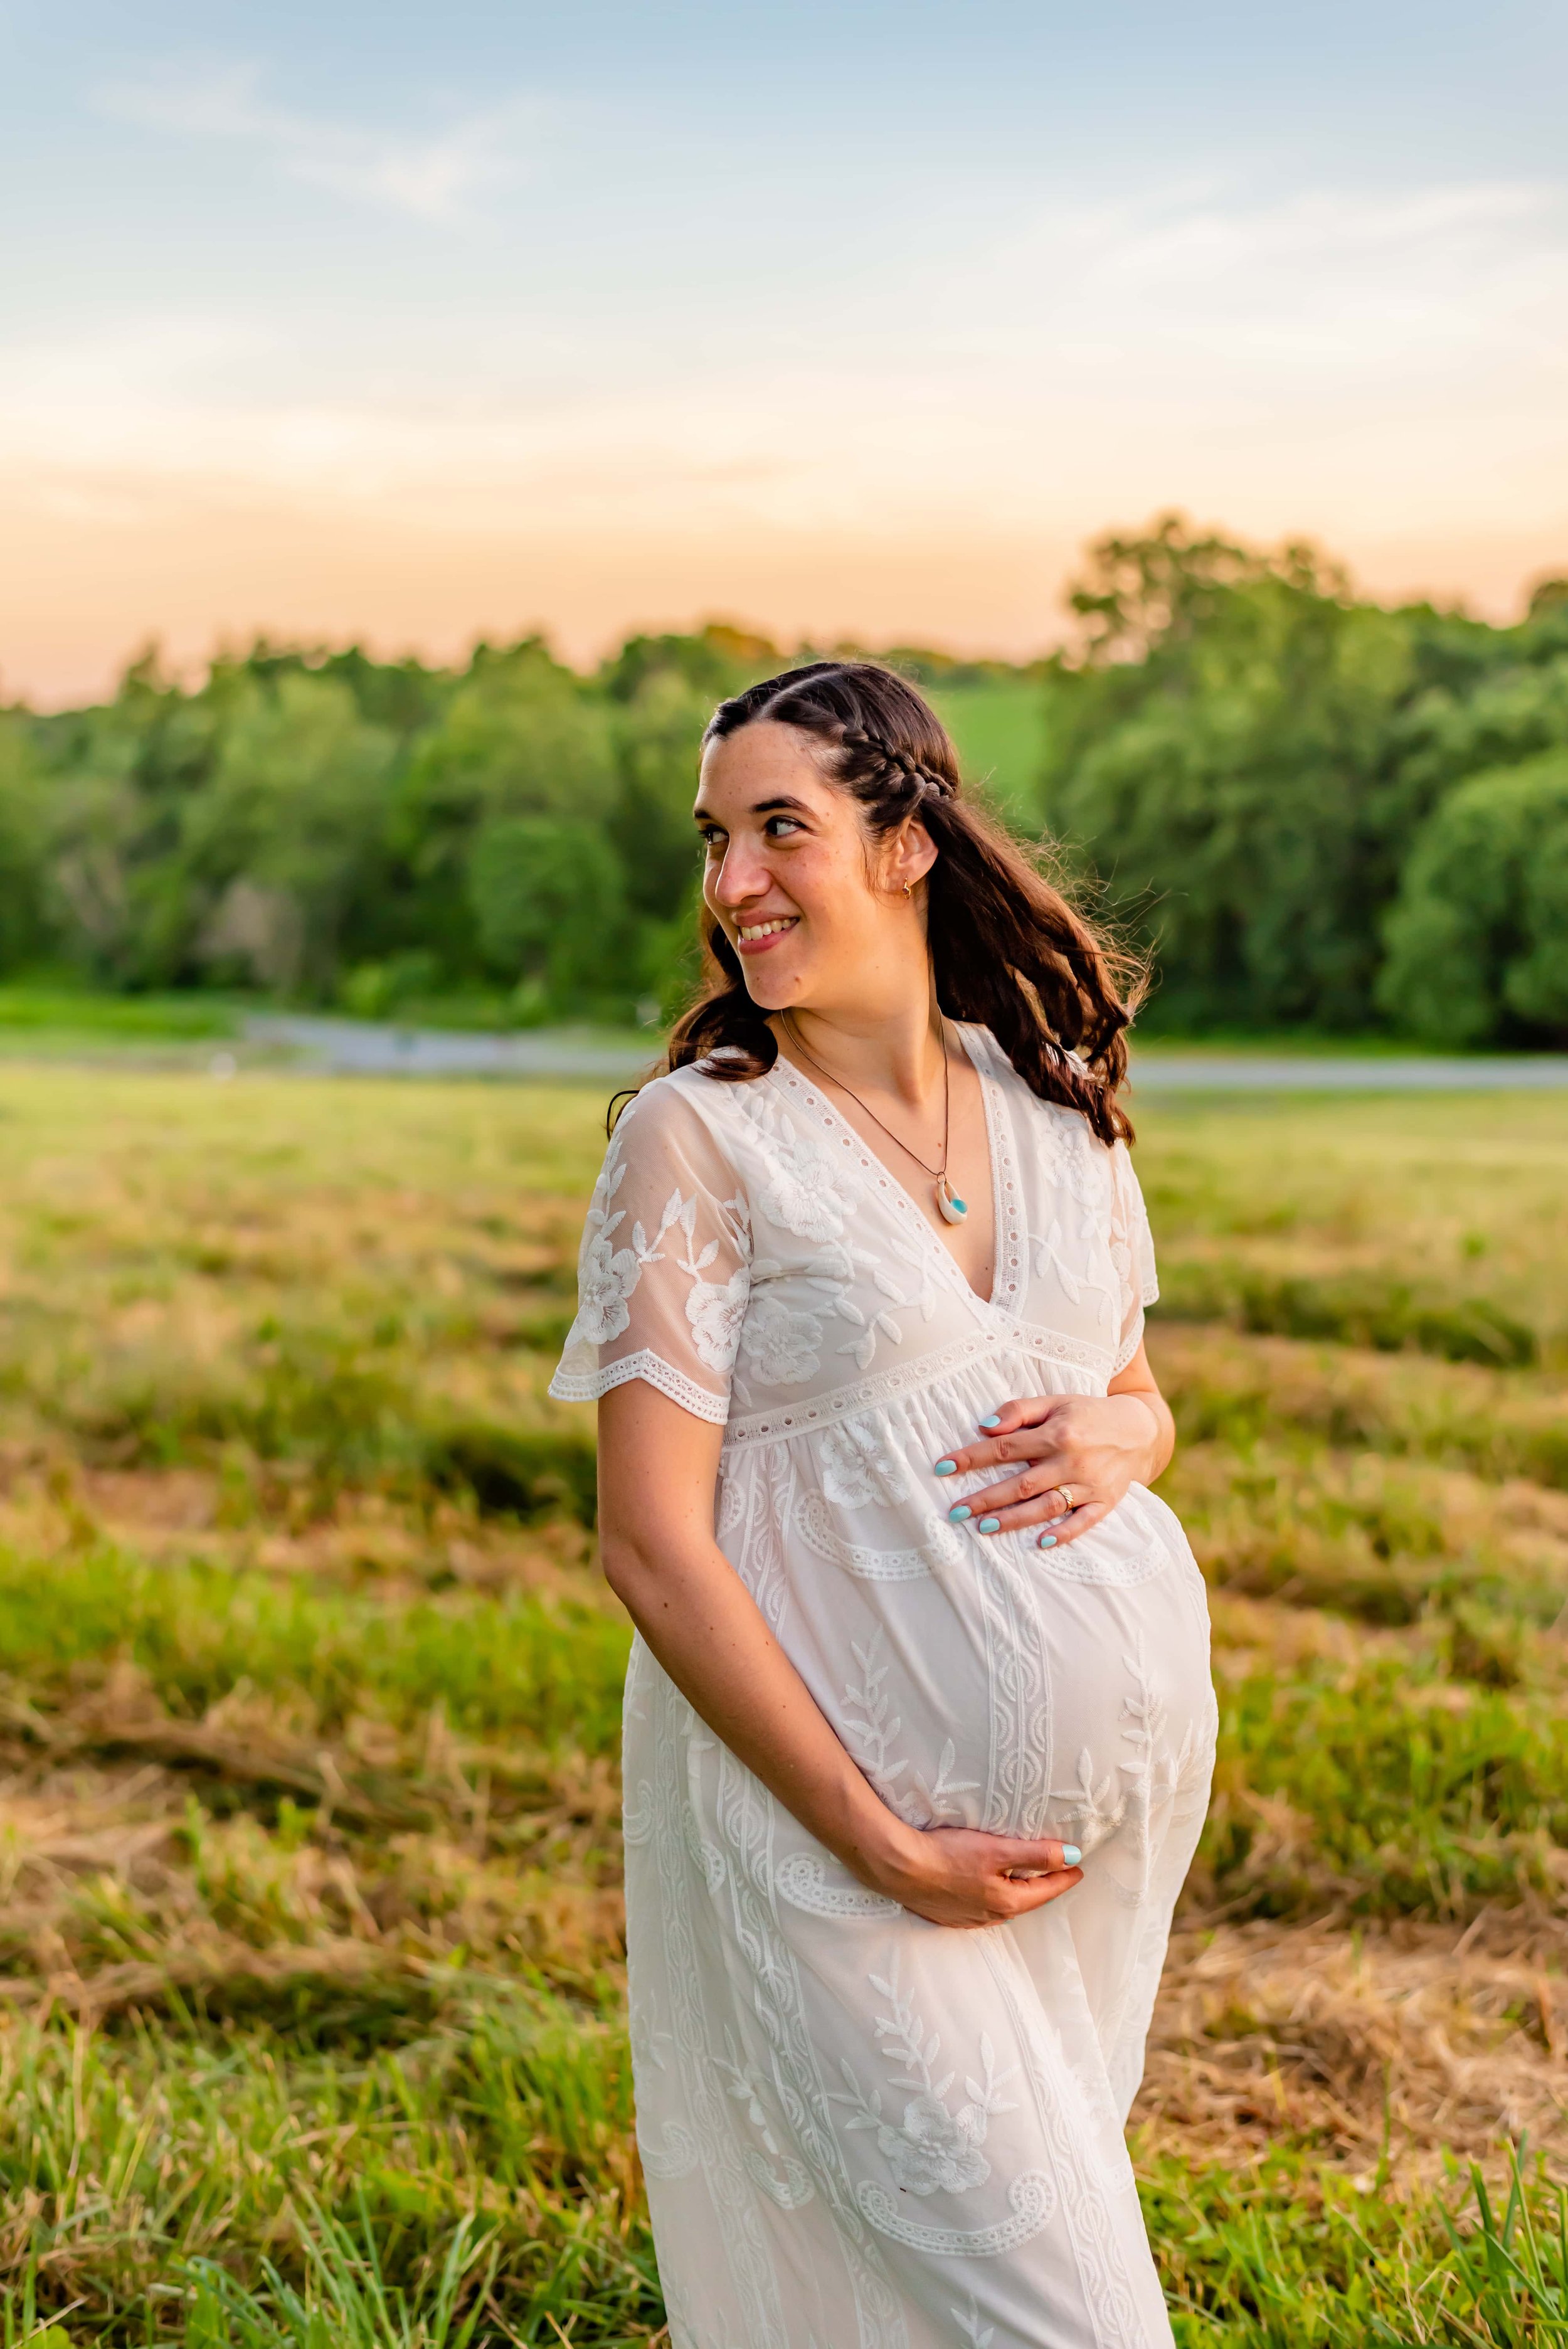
(1385, 2050)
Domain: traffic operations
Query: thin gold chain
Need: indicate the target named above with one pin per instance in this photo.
(938, 1173)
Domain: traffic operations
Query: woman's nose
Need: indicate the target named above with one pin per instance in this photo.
(742, 875)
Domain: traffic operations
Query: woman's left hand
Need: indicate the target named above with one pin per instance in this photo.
(1069, 1459)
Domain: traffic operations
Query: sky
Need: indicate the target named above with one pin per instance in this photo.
(413, 323)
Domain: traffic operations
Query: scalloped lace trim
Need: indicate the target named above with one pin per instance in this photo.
(1033, 2197)
(1134, 1338)
(587, 1386)
(803, 1882)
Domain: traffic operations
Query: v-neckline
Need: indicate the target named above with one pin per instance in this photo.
(1004, 1238)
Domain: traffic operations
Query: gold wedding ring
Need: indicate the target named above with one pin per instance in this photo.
(1066, 1493)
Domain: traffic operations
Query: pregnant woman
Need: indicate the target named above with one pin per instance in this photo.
(919, 1725)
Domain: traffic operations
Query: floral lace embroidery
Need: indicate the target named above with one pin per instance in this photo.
(1050, 1252)
(930, 2149)
(860, 1467)
(648, 2041)
(871, 1734)
(609, 1275)
(978, 2336)
(1078, 1163)
(1152, 1781)
(869, 1731)
(780, 1347)
(804, 1187)
(718, 1313)
(782, 2177)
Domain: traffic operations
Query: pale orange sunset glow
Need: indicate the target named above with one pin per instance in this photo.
(309, 353)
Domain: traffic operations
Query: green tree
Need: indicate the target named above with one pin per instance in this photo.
(547, 901)
(1478, 939)
(521, 736)
(1215, 750)
(290, 835)
(659, 736)
(21, 845)
(715, 661)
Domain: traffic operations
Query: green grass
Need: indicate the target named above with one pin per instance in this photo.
(521, 1666)
(310, 1953)
(87, 1012)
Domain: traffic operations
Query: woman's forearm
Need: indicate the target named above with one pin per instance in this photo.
(656, 1474)
(660, 1558)
(703, 1625)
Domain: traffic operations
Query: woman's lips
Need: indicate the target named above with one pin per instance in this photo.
(772, 938)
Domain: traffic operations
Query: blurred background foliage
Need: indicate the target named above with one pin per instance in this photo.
(1323, 815)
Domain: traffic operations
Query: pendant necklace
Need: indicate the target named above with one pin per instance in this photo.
(949, 1206)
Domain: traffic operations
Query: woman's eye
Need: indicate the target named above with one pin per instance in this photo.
(779, 827)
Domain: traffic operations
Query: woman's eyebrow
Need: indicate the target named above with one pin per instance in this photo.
(761, 807)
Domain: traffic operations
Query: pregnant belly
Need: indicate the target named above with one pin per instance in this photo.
(1020, 1694)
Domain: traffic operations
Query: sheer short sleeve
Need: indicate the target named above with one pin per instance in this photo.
(664, 1274)
(1131, 1252)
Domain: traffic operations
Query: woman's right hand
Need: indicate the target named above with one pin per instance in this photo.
(958, 1875)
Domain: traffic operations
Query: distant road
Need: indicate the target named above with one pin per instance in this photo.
(364, 1047)
(368, 1049)
(1281, 1072)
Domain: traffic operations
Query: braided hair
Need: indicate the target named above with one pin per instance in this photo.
(1008, 950)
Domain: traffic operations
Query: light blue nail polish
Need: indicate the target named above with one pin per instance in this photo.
(1070, 1855)
(947, 1467)
(958, 1515)
(989, 1525)
(1047, 1541)
(995, 1420)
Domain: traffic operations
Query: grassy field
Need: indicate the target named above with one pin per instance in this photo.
(312, 2020)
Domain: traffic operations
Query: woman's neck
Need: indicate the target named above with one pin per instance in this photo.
(896, 1051)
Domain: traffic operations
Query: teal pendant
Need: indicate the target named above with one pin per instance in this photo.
(949, 1206)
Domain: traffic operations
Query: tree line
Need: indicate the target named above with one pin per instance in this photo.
(1319, 812)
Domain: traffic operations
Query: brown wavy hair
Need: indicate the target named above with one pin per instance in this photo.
(1008, 950)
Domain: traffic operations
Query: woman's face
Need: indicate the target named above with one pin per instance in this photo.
(813, 905)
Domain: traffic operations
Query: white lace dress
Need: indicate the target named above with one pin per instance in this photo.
(861, 2130)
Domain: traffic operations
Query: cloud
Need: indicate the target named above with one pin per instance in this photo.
(442, 177)
(1355, 286)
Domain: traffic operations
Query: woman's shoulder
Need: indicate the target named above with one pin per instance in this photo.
(1069, 1126)
(681, 1108)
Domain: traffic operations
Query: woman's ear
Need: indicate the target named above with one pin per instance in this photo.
(910, 854)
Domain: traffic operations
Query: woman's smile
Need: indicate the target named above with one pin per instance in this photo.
(756, 937)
